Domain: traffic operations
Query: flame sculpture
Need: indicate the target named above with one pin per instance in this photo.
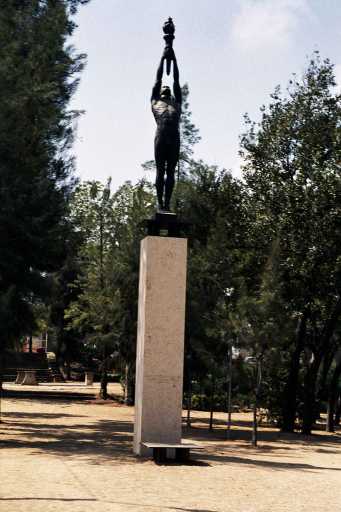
(168, 30)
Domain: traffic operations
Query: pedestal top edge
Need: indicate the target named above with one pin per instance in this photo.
(153, 237)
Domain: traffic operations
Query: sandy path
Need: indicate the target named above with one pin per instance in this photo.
(76, 456)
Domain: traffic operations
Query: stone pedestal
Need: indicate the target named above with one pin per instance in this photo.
(89, 378)
(160, 341)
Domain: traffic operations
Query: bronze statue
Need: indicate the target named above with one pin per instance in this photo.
(167, 111)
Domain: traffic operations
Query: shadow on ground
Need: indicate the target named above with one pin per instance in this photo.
(242, 430)
(43, 394)
(102, 441)
(109, 441)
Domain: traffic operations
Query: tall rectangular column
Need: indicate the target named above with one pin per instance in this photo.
(160, 341)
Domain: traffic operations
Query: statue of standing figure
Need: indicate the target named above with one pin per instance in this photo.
(167, 111)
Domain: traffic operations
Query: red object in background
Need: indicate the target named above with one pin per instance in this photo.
(26, 345)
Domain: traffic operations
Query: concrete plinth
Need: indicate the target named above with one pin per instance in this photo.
(160, 341)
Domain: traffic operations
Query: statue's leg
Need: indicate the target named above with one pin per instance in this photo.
(160, 162)
(170, 181)
(172, 161)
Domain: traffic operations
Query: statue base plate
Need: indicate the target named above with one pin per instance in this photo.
(165, 224)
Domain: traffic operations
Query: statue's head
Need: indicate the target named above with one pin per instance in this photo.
(165, 92)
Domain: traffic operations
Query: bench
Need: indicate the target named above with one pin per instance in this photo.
(181, 451)
(20, 377)
(26, 377)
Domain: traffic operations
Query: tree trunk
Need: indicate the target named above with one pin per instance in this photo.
(309, 396)
(201, 398)
(254, 423)
(258, 383)
(129, 385)
(290, 392)
(338, 412)
(332, 398)
(1, 379)
(330, 416)
(212, 405)
(104, 376)
(229, 393)
(126, 369)
(189, 404)
(104, 382)
(326, 365)
(68, 369)
(311, 375)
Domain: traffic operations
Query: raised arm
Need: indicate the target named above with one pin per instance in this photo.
(176, 84)
(157, 87)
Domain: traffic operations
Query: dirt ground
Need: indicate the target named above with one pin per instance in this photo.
(72, 453)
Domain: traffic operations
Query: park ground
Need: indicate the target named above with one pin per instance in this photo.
(71, 452)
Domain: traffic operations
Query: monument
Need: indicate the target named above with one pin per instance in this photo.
(162, 286)
(167, 111)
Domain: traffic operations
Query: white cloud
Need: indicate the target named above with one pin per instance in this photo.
(267, 23)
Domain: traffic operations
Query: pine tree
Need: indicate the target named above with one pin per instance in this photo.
(292, 171)
(38, 75)
(105, 311)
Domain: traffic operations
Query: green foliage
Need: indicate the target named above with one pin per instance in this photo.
(292, 172)
(38, 75)
(189, 135)
(91, 215)
(104, 312)
(212, 202)
(264, 257)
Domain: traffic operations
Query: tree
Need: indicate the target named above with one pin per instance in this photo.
(91, 312)
(333, 394)
(262, 325)
(133, 205)
(65, 341)
(292, 171)
(104, 312)
(38, 75)
(189, 135)
(212, 202)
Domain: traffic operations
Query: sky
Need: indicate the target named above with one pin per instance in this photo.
(232, 53)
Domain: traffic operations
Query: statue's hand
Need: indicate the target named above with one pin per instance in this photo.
(168, 53)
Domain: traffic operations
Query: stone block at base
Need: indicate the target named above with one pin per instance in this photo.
(160, 342)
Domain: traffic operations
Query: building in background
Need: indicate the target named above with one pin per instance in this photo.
(35, 343)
